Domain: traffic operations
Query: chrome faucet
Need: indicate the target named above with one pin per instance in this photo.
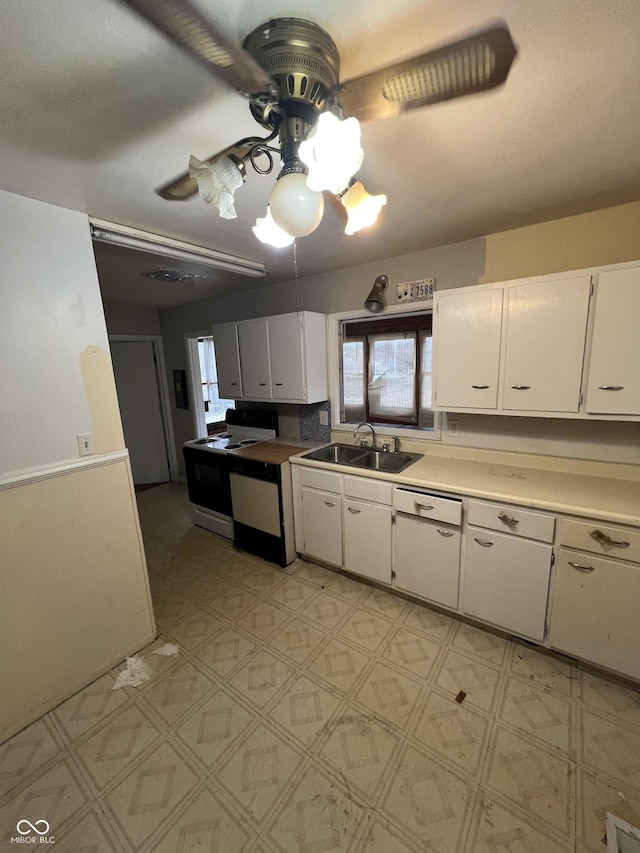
(363, 442)
(396, 443)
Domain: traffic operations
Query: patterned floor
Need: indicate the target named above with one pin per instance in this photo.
(310, 713)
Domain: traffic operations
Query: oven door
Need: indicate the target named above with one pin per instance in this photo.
(208, 479)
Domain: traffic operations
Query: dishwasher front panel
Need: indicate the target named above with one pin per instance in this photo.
(256, 503)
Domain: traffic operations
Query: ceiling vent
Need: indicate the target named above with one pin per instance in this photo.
(172, 275)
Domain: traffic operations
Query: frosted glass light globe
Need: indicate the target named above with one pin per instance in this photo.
(294, 207)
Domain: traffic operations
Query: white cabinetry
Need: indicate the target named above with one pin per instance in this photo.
(367, 528)
(426, 545)
(594, 613)
(467, 331)
(322, 522)
(225, 341)
(253, 344)
(512, 348)
(545, 337)
(506, 578)
(274, 358)
(613, 385)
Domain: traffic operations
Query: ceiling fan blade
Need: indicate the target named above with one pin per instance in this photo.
(184, 25)
(184, 187)
(472, 64)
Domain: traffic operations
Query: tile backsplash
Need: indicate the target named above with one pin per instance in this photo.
(310, 426)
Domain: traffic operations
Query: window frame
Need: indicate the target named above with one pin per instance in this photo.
(334, 355)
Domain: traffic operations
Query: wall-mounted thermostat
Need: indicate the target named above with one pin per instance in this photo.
(416, 291)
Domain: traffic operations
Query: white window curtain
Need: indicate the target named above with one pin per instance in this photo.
(392, 388)
(208, 371)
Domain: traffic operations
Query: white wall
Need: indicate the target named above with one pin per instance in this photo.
(54, 354)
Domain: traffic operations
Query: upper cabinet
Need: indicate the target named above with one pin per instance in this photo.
(280, 358)
(613, 385)
(541, 347)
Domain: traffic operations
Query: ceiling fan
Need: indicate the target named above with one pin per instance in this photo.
(289, 70)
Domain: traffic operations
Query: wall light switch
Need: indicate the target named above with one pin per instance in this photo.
(324, 418)
(453, 428)
(85, 443)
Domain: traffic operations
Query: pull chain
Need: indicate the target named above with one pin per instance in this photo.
(295, 275)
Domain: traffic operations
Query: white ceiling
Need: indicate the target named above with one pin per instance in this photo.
(97, 109)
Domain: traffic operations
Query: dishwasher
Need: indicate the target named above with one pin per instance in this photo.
(262, 508)
(426, 545)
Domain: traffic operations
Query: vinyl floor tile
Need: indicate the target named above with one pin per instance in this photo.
(307, 712)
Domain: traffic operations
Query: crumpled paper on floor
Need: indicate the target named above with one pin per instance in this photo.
(166, 650)
(136, 672)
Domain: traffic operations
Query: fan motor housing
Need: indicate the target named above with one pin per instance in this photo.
(303, 60)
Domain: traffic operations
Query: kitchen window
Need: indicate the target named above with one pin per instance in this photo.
(386, 371)
(215, 408)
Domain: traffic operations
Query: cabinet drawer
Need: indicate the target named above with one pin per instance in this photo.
(512, 519)
(368, 490)
(610, 541)
(316, 478)
(425, 505)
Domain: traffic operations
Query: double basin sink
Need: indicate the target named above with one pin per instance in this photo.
(364, 457)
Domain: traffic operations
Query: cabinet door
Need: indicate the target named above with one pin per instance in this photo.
(426, 559)
(254, 358)
(594, 613)
(287, 358)
(507, 581)
(322, 522)
(544, 352)
(225, 342)
(614, 378)
(367, 539)
(467, 349)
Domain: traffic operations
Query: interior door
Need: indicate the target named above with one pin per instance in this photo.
(139, 399)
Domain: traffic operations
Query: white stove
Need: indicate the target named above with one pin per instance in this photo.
(235, 438)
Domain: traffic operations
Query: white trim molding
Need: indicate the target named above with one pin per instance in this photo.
(36, 475)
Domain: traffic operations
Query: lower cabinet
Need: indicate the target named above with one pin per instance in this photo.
(426, 557)
(507, 581)
(322, 520)
(367, 539)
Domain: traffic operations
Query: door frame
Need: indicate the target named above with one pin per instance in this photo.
(163, 393)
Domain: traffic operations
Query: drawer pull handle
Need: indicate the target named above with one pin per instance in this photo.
(262, 383)
(446, 533)
(354, 511)
(480, 387)
(279, 384)
(233, 383)
(423, 506)
(329, 503)
(581, 568)
(611, 387)
(521, 387)
(484, 542)
(607, 541)
(508, 519)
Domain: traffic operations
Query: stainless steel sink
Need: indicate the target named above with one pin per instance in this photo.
(364, 457)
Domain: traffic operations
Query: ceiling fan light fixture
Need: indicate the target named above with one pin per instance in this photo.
(271, 234)
(218, 181)
(295, 208)
(332, 153)
(362, 208)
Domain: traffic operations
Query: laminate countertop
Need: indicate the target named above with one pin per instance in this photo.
(276, 451)
(575, 492)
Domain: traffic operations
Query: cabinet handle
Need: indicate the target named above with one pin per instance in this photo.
(484, 542)
(611, 387)
(262, 383)
(279, 383)
(444, 532)
(233, 383)
(329, 503)
(480, 387)
(423, 506)
(581, 568)
(521, 387)
(607, 541)
(508, 519)
(354, 511)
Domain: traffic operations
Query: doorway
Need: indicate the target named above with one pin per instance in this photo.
(142, 396)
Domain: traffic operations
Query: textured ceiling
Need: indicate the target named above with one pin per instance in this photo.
(97, 109)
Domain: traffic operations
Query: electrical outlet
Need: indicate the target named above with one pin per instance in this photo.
(453, 429)
(85, 443)
(324, 418)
